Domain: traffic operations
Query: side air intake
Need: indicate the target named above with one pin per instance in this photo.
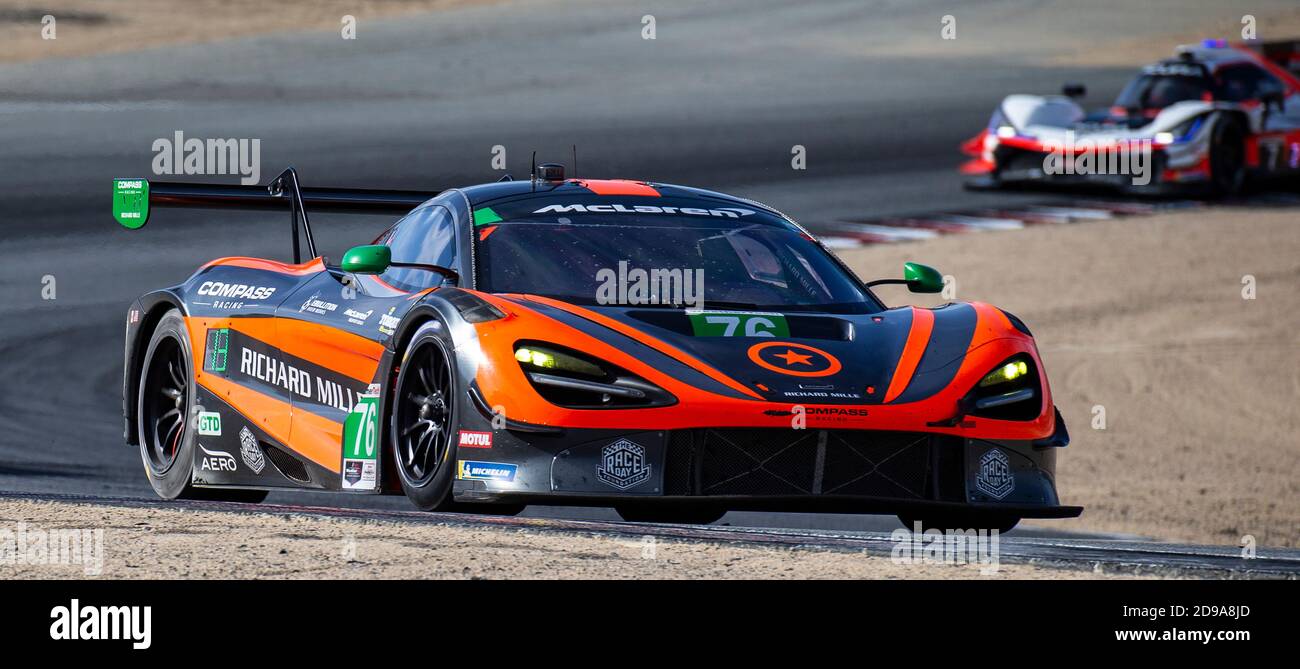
(288, 465)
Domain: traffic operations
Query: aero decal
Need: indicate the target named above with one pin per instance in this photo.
(793, 359)
(259, 366)
(917, 339)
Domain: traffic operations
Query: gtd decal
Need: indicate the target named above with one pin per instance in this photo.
(793, 359)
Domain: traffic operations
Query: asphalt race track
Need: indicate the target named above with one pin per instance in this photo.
(717, 100)
(1135, 558)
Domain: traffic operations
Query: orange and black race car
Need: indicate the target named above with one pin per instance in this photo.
(668, 351)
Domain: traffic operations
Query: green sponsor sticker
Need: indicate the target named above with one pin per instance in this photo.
(210, 423)
(485, 216)
(131, 202)
(360, 429)
(738, 324)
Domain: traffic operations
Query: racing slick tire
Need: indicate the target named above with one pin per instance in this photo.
(974, 520)
(1227, 157)
(422, 419)
(165, 405)
(694, 514)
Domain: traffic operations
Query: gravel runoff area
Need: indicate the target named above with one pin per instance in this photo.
(1180, 394)
(162, 543)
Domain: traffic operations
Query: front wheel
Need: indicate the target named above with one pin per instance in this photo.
(423, 417)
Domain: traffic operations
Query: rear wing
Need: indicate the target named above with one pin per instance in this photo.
(133, 199)
(1284, 54)
(1281, 57)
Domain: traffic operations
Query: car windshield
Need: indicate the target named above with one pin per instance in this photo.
(677, 262)
(1157, 91)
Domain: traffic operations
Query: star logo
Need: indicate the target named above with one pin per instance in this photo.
(791, 358)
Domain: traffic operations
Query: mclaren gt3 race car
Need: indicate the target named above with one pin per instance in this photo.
(492, 349)
(1204, 121)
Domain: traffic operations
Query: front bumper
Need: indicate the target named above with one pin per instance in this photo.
(1025, 166)
(844, 471)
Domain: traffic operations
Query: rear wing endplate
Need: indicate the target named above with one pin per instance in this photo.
(133, 198)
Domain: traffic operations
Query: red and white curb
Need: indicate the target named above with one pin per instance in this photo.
(854, 233)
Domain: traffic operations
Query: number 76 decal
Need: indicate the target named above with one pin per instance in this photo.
(737, 324)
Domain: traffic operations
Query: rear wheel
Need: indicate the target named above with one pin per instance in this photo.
(165, 409)
(974, 520)
(693, 514)
(424, 411)
(1228, 157)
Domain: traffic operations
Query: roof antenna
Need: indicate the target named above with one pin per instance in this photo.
(532, 175)
(575, 161)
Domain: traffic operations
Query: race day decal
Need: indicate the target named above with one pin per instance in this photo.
(251, 451)
(995, 478)
(623, 464)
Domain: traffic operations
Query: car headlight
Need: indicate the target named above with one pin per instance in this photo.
(1010, 391)
(577, 381)
(551, 359)
(1006, 373)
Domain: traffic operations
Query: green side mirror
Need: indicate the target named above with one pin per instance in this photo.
(922, 278)
(372, 259)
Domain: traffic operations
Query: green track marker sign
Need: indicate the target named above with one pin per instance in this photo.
(131, 202)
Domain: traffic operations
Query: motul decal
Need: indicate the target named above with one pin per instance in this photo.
(474, 439)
